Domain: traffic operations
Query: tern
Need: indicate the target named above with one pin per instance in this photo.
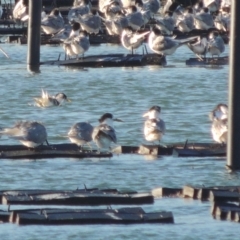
(81, 133)
(77, 10)
(216, 44)
(20, 11)
(164, 45)
(154, 126)
(52, 23)
(131, 40)
(203, 20)
(76, 44)
(29, 133)
(104, 134)
(46, 100)
(219, 118)
(200, 47)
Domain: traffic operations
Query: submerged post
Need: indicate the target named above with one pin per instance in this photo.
(34, 38)
(233, 145)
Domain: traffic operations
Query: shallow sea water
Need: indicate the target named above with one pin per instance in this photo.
(186, 95)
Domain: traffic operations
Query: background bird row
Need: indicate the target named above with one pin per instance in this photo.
(133, 20)
(32, 133)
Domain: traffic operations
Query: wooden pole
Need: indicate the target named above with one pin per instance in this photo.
(233, 146)
(34, 38)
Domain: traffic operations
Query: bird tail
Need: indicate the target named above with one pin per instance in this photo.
(187, 40)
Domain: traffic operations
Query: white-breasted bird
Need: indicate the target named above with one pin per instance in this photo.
(199, 47)
(53, 22)
(219, 118)
(81, 133)
(29, 133)
(131, 40)
(47, 101)
(104, 134)
(185, 22)
(154, 126)
(80, 9)
(216, 44)
(166, 24)
(20, 11)
(203, 20)
(91, 22)
(165, 45)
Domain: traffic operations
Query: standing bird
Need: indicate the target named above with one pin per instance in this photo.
(200, 47)
(154, 126)
(166, 24)
(203, 20)
(104, 134)
(53, 22)
(76, 45)
(46, 101)
(185, 22)
(20, 11)
(81, 9)
(135, 18)
(91, 22)
(219, 118)
(30, 134)
(216, 44)
(131, 40)
(81, 133)
(164, 45)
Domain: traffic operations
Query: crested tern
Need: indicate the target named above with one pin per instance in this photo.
(29, 133)
(46, 100)
(77, 10)
(77, 45)
(216, 44)
(81, 133)
(154, 126)
(115, 26)
(104, 134)
(219, 118)
(164, 45)
(135, 18)
(20, 11)
(185, 22)
(131, 40)
(203, 20)
(166, 24)
(199, 47)
(212, 5)
(91, 22)
(53, 22)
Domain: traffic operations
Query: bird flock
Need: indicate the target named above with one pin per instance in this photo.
(129, 20)
(138, 22)
(33, 134)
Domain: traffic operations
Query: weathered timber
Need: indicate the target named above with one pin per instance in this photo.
(155, 150)
(199, 150)
(208, 61)
(51, 151)
(77, 197)
(166, 192)
(47, 39)
(111, 60)
(225, 211)
(89, 216)
(4, 216)
(125, 149)
(224, 196)
(215, 193)
(13, 31)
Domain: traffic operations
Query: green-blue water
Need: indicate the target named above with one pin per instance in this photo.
(186, 95)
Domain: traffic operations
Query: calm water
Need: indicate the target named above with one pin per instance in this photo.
(186, 95)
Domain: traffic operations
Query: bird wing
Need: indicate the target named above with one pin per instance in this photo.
(105, 129)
